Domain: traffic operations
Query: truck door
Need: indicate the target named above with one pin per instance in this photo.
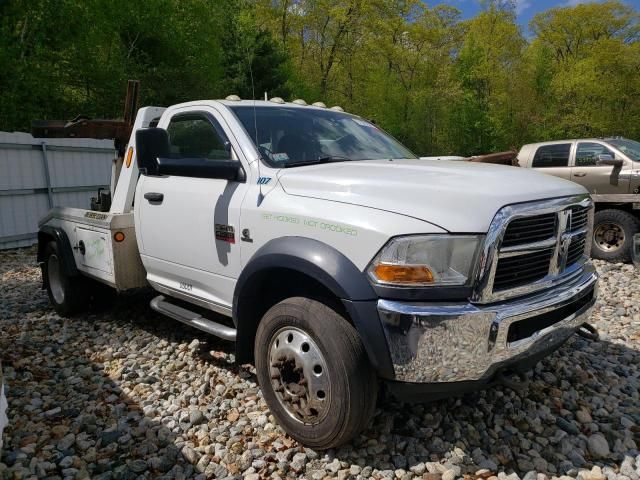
(598, 178)
(553, 159)
(188, 226)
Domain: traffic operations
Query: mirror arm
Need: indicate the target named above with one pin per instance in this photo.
(615, 174)
(241, 176)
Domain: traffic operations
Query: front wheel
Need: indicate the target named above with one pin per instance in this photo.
(613, 232)
(314, 373)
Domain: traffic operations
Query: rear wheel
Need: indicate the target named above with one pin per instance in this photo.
(314, 373)
(67, 294)
(613, 232)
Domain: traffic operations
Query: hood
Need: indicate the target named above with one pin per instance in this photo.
(460, 197)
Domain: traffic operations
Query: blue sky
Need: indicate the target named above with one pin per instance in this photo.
(526, 9)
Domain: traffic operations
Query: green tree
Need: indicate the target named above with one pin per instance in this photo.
(440, 84)
(252, 61)
(587, 70)
(489, 61)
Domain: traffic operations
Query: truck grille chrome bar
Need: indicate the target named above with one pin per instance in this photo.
(533, 246)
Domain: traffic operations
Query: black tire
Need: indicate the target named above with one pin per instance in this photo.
(352, 381)
(68, 294)
(613, 232)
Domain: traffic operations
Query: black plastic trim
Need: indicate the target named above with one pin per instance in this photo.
(316, 259)
(365, 317)
(64, 246)
(151, 143)
(230, 170)
(423, 294)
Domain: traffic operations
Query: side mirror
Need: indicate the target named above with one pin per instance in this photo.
(201, 168)
(616, 163)
(606, 159)
(154, 158)
(151, 143)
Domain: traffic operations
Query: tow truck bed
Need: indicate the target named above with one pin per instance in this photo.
(103, 244)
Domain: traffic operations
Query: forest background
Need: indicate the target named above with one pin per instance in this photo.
(440, 83)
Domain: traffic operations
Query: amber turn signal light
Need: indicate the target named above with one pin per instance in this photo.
(403, 273)
(118, 237)
(129, 156)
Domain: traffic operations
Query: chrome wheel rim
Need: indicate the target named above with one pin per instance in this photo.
(299, 376)
(609, 237)
(54, 273)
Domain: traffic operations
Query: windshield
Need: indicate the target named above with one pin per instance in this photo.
(630, 148)
(291, 136)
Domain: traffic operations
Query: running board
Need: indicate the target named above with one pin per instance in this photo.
(161, 305)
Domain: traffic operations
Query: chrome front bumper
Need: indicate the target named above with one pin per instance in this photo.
(433, 343)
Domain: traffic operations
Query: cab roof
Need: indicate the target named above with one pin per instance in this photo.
(248, 103)
(571, 140)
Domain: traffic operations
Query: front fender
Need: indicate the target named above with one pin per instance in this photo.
(311, 257)
(326, 265)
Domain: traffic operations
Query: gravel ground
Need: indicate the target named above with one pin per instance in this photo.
(129, 394)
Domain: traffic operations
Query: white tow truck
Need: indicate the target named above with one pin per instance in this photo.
(342, 261)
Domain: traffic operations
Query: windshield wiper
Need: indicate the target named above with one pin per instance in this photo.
(327, 159)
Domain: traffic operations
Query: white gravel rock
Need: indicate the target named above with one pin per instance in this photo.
(125, 393)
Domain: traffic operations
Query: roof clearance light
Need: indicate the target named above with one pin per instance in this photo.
(299, 101)
(319, 104)
(277, 100)
(233, 98)
(337, 108)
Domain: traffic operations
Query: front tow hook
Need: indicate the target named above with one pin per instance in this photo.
(589, 332)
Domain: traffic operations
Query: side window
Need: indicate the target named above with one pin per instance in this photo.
(587, 153)
(552, 156)
(196, 136)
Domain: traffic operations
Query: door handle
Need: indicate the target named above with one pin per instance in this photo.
(154, 197)
(580, 174)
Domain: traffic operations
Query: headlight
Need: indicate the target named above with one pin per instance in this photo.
(426, 260)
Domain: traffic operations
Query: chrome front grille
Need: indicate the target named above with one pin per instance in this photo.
(522, 269)
(579, 218)
(576, 250)
(533, 246)
(530, 229)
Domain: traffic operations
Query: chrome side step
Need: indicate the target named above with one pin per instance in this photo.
(161, 305)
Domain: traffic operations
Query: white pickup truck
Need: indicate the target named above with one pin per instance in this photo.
(342, 261)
